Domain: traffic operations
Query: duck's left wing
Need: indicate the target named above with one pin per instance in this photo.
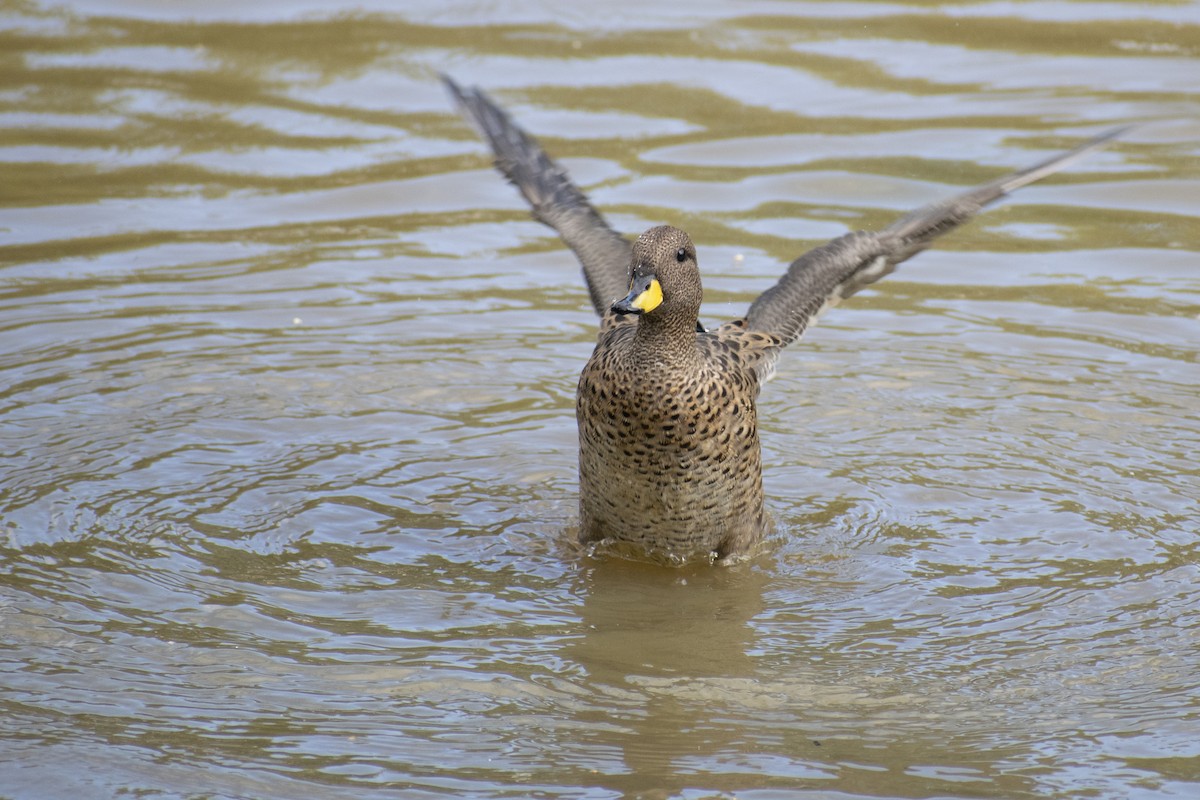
(827, 274)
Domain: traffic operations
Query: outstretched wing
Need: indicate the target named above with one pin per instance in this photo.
(827, 274)
(604, 253)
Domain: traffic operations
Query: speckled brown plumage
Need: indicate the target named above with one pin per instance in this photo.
(669, 455)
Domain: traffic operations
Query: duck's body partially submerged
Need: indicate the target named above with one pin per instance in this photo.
(669, 455)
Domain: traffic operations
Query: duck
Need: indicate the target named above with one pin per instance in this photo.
(670, 460)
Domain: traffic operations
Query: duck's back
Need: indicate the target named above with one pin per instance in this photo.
(669, 455)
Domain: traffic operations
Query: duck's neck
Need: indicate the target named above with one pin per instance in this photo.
(670, 336)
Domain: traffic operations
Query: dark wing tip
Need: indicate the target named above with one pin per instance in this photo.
(1056, 163)
(457, 93)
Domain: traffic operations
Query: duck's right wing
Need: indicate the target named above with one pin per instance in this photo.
(825, 275)
(553, 198)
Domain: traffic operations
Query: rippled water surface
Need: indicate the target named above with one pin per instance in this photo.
(286, 405)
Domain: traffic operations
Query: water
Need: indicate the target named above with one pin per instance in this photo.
(287, 410)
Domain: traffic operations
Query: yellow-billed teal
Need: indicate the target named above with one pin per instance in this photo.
(669, 456)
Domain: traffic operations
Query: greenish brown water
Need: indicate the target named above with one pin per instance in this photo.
(286, 406)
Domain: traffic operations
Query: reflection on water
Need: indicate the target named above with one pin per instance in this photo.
(288, 377)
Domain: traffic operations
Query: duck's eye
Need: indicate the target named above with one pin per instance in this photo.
(681, 255)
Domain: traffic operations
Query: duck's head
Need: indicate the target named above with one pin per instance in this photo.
(664, 280)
